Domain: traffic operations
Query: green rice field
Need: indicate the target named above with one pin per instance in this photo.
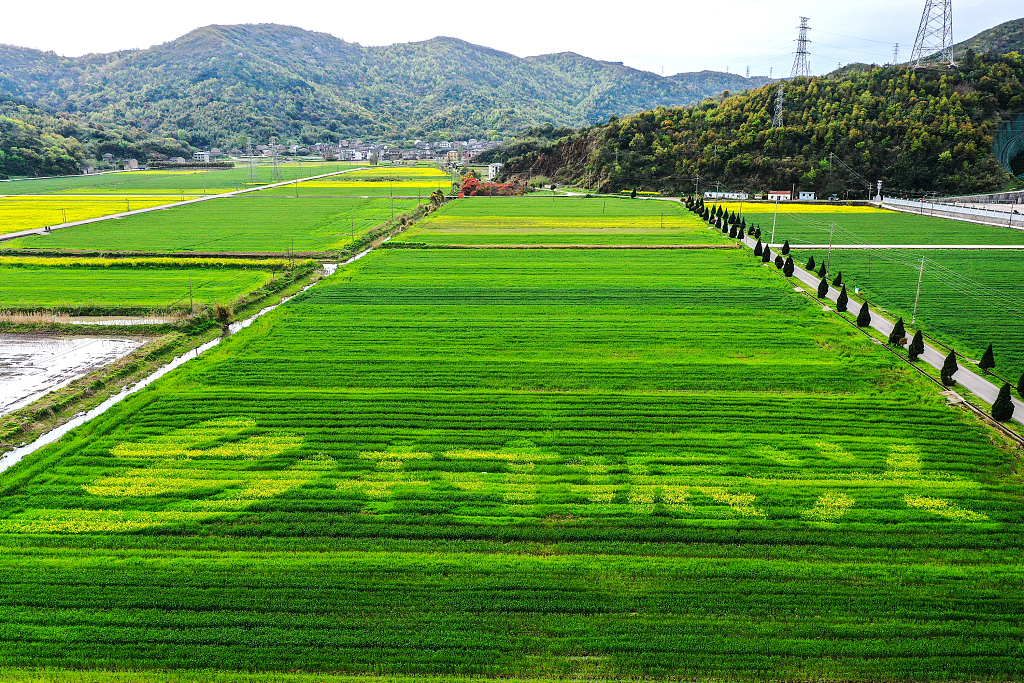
(245, 223)
(187, 181)
(523, 463)
(33, 288)
(813, 223)
(969, 298)
(560, 221)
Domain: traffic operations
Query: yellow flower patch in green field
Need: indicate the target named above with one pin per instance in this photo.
(46, 521)
(741, 503)
(904, 458)
(829, 507)
(943, 508)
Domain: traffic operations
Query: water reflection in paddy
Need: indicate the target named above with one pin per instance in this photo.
(32, 365)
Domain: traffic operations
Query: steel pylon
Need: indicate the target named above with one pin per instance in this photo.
(935, 34)
(801, 61)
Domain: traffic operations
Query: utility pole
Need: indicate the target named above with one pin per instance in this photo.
(920, 276)
(64, 214)
(934, 34)
(775, 219)
(828, 261)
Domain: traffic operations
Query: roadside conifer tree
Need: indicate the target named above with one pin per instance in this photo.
(743, 224)
(757, 252)
(779, 262)
(916, 345)
(757, 233)
(766, 255)
(1020, 385)
(725, 227)
(811, 265)
(732, 231)
(839, 279)
(1002, 409)
(823, 288)
(821, 271)
(842, 300)
(719, 210)
(988, 360)
(864, 317)
(750, 229)
(785, 247)
(949, 368)
(898, 332)
(633, 193)
(788, 267)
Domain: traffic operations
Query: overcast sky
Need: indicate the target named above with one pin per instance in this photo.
(656, 35)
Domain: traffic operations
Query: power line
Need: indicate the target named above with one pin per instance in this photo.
(840, 35)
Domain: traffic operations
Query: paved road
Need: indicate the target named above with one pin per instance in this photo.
(965, 378)
(124, 214)
(901, 246)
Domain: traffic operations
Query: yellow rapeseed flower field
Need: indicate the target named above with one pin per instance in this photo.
(33, 212)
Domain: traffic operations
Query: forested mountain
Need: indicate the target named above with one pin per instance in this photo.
(219, 82)
(1001, 39)
(37, 142)
(917, 131)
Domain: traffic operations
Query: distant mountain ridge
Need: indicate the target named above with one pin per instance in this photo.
(219, 82)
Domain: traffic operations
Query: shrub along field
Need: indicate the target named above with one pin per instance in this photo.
(969, 298)
(246, 223)
(189, 181)
(529, 463)
(137, 288)
(809, 224)
(560, 220)
(29, 213)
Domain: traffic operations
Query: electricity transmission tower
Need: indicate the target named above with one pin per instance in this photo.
(895, 54)
(935, 34)
(253, 179)
(275, 172)
(777, 119)
(801, 63)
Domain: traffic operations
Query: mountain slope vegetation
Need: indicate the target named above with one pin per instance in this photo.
(219, 82)
(36, 142)
(1002, 39)
(917, 131)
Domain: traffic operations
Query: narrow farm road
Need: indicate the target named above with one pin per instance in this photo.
(981, 387)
